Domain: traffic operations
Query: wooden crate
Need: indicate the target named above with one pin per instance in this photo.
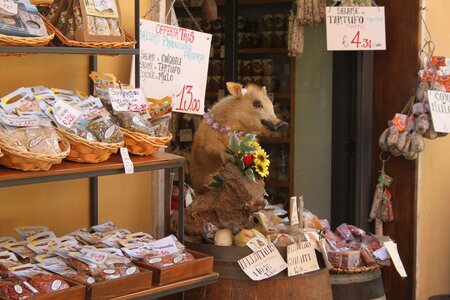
(120, 286)
(203, 264)
(76, 291)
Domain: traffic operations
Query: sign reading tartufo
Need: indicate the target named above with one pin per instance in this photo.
(174, 62)
(356, 28)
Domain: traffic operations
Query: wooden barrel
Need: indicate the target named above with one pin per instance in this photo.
(360, 286)
(236, 285)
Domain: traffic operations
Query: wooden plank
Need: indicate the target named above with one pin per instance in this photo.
(114, 163)
(395, 80)
(173, 286)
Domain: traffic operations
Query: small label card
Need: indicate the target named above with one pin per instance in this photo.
(263, 264)
(301, 259)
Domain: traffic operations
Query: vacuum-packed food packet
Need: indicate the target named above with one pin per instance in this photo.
(40, 279)
(20, 249)
(27, 231)
(344, 258)
(16, 290)
(161, 261)
(344, 232)
(64, 270)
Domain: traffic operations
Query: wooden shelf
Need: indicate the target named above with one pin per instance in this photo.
(277, 183)
(71, 170)
(69, 50)
(263, 51)
(177, 287)
(267, 139)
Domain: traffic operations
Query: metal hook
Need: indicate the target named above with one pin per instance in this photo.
(381, 157)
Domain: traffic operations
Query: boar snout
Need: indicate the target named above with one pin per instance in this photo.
(278, 126)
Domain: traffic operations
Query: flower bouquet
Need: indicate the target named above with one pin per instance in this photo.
(248, 156)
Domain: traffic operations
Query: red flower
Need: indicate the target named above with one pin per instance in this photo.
(248, 159)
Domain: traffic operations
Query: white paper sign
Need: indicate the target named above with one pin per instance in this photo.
(9, 6)
(167, 245)
(20, 121)
(127, 163)
(356, 28)
(102, 5)
(391, 247)
(440, 110)
(263, 264)
(301, 259)
(174, 62)
(127, 99)
(65, 114)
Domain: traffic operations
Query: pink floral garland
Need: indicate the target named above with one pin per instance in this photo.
(209, 118)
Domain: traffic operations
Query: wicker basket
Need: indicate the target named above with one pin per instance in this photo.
(354, 270)
(28, 161)
(18, 41)
(84, 151)
(129, 40)
(142, 144)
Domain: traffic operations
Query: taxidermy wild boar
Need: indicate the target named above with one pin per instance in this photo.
(247, 110)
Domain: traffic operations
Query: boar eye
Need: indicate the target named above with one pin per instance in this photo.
(257, 104)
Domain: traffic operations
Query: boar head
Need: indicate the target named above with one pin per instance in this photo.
(248, 110)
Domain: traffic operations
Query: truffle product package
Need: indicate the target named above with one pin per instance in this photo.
(21, 18)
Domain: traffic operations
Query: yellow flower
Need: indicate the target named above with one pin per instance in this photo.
(261, 158)
(254, 144)
(262, 170)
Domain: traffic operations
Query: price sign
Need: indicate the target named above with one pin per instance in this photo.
(65, 114)
(440, 110)
(174, 62)
(356, 28)
(301, 259)
(127, 99)
(20, 121)
(9, 6)
(263, 264)
(102, 5)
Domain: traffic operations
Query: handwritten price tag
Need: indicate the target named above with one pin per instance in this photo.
(9, 6)
(20, 121)
(301, 259)
(127, 99)
(263, 264)
(356, 28)
(102, 5)
(185, 101)
(65, 114)
(440, 110)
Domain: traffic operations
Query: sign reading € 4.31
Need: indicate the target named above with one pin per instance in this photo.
(174, 62)
(356, 28)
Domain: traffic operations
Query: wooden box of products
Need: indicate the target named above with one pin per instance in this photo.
(203, 264)
(121, 286)
(76, 291)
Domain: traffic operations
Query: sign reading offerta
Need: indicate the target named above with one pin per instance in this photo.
(174, 62)
(356, 28)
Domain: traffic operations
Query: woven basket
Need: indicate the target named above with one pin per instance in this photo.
(18, 41)
(142, 144)
(129, 40)
(28, 161)
(354, 270)
(81, 150)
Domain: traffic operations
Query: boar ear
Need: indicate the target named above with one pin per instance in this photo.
(235, 89)
(264, 90)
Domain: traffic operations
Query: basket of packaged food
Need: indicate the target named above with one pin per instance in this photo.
(32, 148)
(83, 121)
(22, 25)
(144, 122)
(143, 144)
(88, 24)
